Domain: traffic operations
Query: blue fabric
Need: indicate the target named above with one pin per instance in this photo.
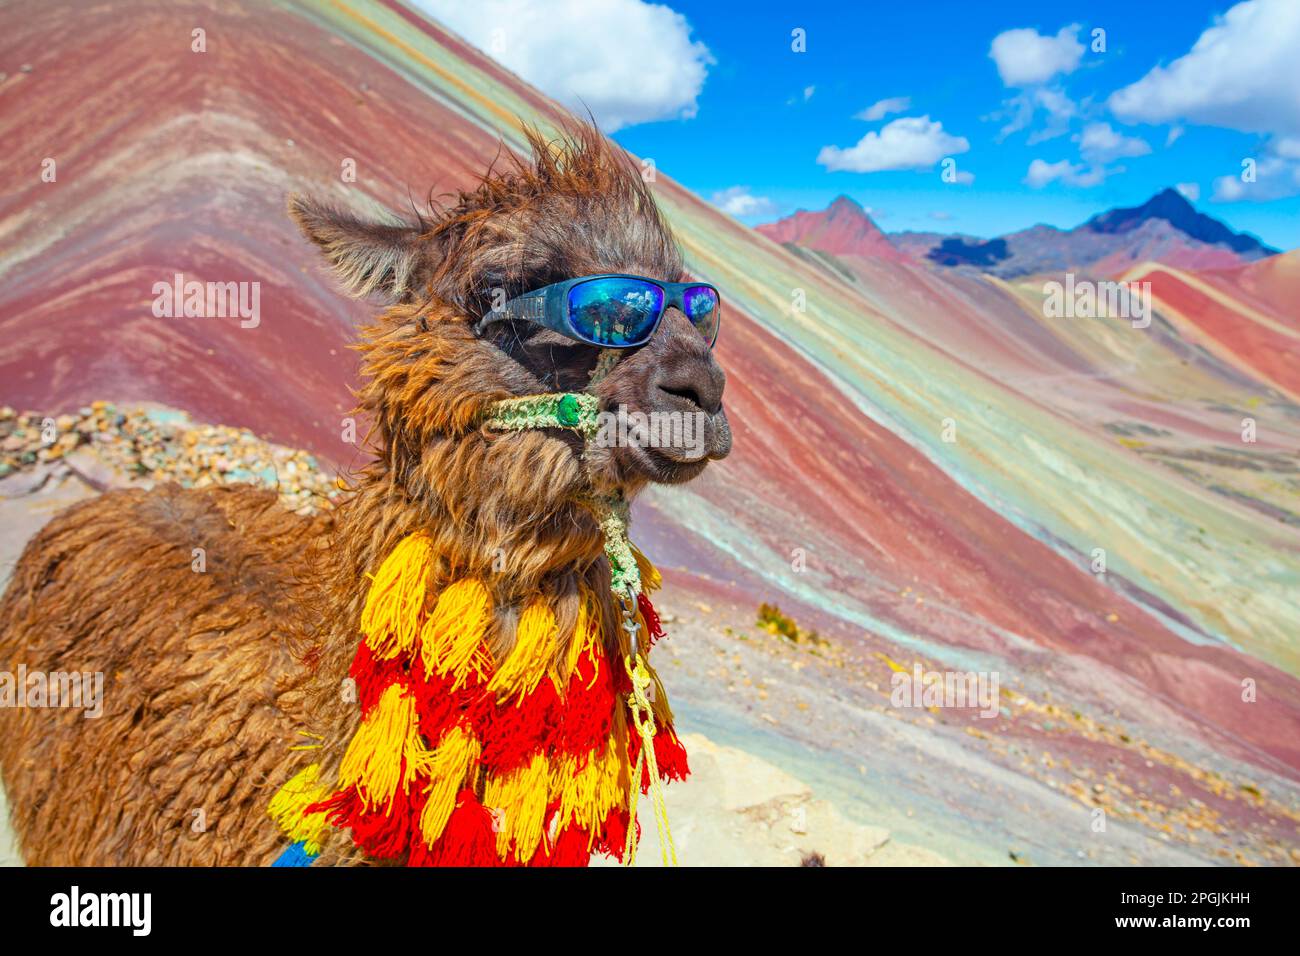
(295, 855)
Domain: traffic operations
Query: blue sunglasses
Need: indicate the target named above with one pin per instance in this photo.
(611, 311)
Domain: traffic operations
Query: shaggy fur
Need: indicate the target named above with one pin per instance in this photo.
(211, 677)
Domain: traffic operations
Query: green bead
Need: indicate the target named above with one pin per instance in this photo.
(568, 411)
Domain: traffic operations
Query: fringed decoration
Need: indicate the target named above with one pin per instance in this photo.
(459, 760)
(467, 839)
(514, 730)
(386, 751)
(288, 806)
(590, 787)
(568, 848)
(520, 800)
(395, 602)
(451, 641)
(528, 661)
(651, 579)
(650, 626)
(295, 855)
(448, 771)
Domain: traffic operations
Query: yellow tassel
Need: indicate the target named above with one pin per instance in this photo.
(451, 764)
(651, 579)
(587, 795)
(373, 761)
(521, 797)
(452, 638)
(287, 806)
(391, 618)
(586, 632)
(527, 662)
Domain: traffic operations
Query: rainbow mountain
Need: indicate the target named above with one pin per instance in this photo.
(928, 471)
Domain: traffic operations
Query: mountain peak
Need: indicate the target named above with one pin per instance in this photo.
(842, 228)
(1173, 207)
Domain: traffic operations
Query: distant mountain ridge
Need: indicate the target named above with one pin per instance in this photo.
(1173, 207)
(842, 228)
(1166, 228)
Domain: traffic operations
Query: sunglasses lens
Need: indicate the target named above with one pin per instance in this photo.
(615, 312)
(704, 310)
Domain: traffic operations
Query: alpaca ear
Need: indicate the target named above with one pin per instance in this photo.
(367, 257)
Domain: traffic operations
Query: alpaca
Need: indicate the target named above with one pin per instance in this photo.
(430, 673)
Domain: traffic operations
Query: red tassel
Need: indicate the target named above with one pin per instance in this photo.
(587, 715)
(468, 839)
(654, 629)
(514, 731)
(570, 849)
(384, 834)
(436, 706)
(670, 756)
(612, 840)
(373, 676)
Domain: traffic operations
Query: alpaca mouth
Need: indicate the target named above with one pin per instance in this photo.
(671, 447)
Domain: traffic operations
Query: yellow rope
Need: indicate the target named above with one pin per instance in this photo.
(644, 720)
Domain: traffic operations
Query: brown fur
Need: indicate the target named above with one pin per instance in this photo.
(211, 677)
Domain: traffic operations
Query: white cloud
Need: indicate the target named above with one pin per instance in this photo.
(1041, 173)
(628, 61)
(1190, 190)
(1020, 110)
(808, 92)
(913, 142)
(882, 108)
(1275, 178)
(1288, 147)
(1099, 143)
(738, 201)
(1174, 135)
(1242, 73)
(1026, 57)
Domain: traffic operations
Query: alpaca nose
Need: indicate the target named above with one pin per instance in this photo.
(697, 378)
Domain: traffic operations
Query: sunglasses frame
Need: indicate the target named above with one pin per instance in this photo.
(549, 307)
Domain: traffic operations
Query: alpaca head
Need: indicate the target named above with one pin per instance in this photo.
(579, 207)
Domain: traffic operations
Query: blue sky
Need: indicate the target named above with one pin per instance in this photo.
(1053, 129)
